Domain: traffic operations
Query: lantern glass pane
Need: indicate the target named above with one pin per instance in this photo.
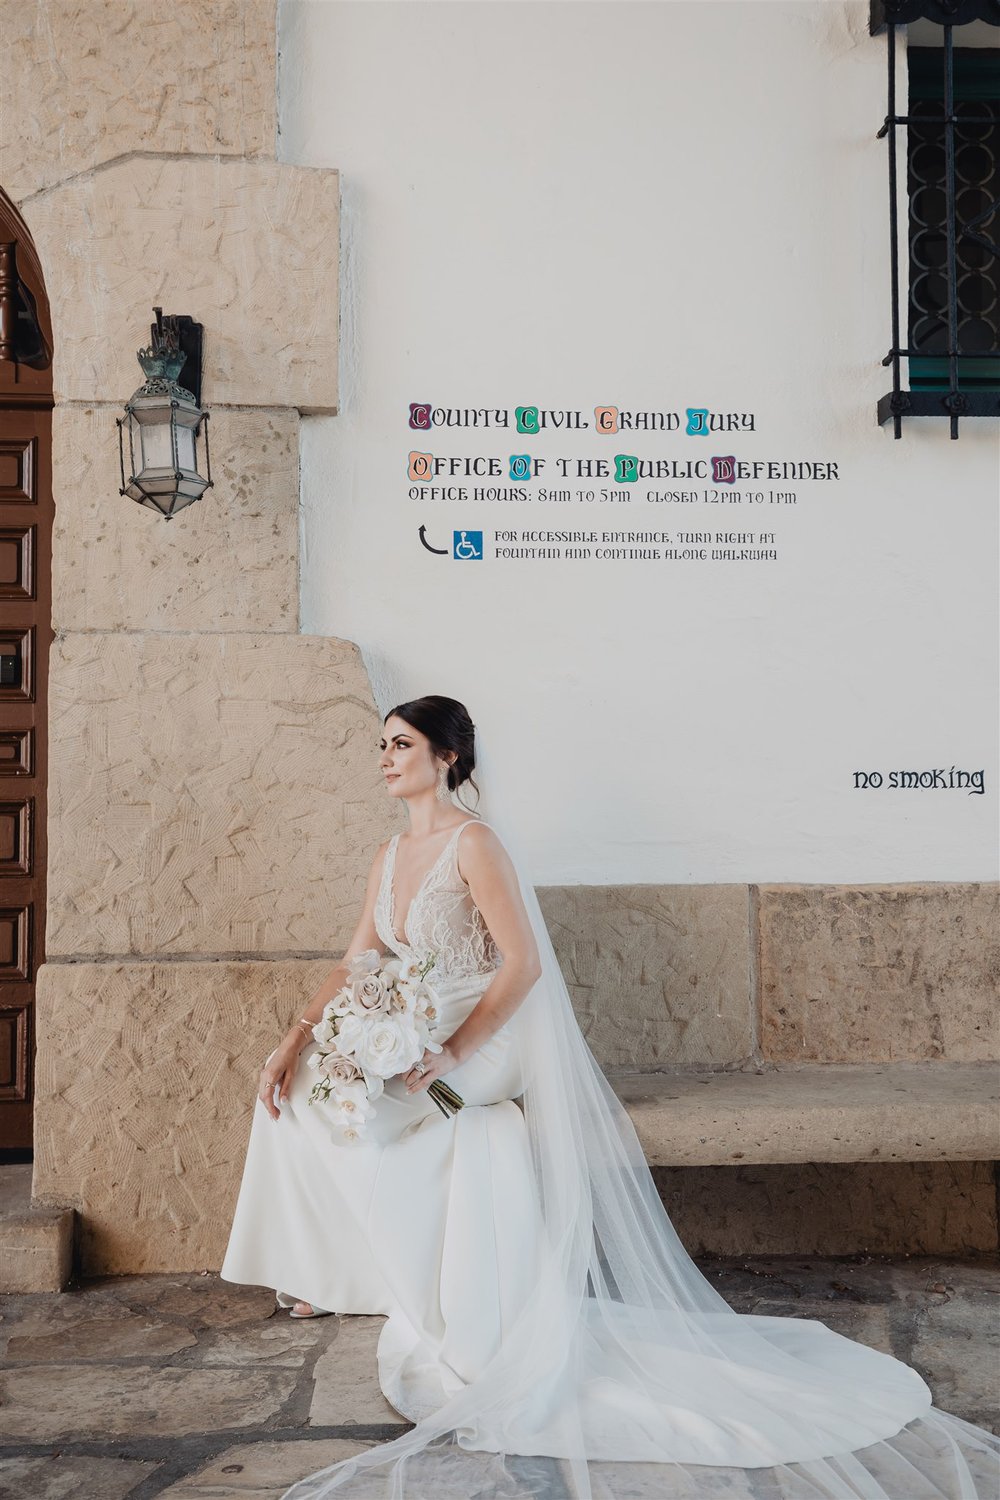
(156, 449)
(185, 449)
(159, 482)
(192, 487)
(133, 455)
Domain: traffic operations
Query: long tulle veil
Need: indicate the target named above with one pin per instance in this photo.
(626, 1375)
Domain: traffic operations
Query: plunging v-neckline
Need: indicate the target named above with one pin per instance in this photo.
(404, 940)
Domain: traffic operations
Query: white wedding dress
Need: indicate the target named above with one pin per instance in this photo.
(546, 1331)
(431, 1220)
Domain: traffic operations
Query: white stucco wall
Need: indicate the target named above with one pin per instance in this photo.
(651, 206)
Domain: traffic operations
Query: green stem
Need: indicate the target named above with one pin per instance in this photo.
(445, 1097)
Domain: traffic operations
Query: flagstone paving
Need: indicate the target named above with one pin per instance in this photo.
(190, 1388)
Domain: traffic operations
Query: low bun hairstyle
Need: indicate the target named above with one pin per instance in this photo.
(447, 725)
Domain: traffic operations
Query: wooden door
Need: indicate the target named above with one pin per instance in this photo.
(26, 513)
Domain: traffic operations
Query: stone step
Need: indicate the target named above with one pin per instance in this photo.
(36, 1244)
(821, 1112)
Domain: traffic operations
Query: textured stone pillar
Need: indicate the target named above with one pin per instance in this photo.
(214, 796)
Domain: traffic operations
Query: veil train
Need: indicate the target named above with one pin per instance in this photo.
(626, 1375)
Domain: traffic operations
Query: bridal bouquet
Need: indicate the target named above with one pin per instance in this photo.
(378, 1025)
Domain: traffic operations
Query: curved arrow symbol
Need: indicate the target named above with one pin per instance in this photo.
(441, 551)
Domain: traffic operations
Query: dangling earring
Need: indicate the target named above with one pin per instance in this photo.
(442, 791)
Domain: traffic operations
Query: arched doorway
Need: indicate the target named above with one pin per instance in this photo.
(26, 513)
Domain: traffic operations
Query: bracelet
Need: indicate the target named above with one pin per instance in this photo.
(308, 1025)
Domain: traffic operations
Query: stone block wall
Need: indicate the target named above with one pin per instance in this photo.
(144, 1106)
(880, 973)
(660, 975)
(190, 234)
(723, 976)
(210, 794)
(88, 80)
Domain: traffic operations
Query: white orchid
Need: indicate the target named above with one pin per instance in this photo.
(411, 970)
(353, 1104)
(374, 1084)
(407, 996)
(341, 1005)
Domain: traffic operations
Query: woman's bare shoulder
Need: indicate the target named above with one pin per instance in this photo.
(479, 850)
(484, 838)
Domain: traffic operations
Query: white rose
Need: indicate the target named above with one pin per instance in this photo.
(342, 1070)
(387, 1047)
(370, 993)
(325, 1030)
(351, 1029)
(363, 964)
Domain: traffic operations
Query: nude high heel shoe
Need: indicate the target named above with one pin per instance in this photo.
(285, 1300)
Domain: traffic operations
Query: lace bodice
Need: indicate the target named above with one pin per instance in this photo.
(442, 919)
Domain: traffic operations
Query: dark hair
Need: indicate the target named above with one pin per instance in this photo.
(447, 725)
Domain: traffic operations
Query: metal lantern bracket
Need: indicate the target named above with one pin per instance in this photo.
(189, 336)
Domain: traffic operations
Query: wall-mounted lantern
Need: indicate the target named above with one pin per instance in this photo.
(163, 420)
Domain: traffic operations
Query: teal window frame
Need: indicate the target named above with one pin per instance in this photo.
(976, 74)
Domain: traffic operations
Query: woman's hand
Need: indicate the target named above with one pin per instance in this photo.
(434, 1065)
(280, 1069)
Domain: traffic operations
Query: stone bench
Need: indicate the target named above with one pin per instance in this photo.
(36, 1243)
(892, 1112)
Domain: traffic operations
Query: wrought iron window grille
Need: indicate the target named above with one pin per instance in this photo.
(953, 218)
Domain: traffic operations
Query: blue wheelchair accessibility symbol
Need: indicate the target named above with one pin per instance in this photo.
(467, 545)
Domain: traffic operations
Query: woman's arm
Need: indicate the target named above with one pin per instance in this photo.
(281, 1065)
(493, 885)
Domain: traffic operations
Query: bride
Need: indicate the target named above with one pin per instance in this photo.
(546, 1332)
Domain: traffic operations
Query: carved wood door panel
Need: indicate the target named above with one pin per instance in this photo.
(26, 514)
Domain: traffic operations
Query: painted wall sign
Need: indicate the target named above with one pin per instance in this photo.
(536, 479)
